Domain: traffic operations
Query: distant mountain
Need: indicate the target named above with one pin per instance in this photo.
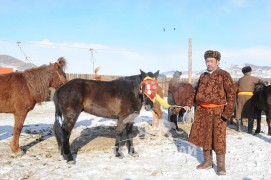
(16, 64)
(234, 70)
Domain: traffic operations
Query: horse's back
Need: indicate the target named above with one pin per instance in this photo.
(181, 91)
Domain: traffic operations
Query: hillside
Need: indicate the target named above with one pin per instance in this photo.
(16, 64)
(234, 70)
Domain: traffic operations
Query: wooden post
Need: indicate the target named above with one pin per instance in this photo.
(92, 60)
(190, 60)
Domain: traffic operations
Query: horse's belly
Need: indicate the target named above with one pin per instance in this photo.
(102, 112)
(109, 110)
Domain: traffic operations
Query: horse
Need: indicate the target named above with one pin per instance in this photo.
(177, 95)
(157, 113)
(120, 99)
(20, 91)
(261, 100)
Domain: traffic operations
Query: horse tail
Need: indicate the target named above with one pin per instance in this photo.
(58, 120)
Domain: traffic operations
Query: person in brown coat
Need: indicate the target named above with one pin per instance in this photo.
(214, 98)
(244, 109)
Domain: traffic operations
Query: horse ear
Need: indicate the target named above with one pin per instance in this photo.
(143, 74)
(60, 63)
(156, 74)
(57, 66)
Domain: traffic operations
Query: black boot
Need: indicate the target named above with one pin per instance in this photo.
(238, 125)
(250, 125)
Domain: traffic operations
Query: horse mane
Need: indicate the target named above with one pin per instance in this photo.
(38, 79)
(135, 78)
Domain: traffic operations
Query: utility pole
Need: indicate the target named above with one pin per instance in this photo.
(92, 59)
(190, 60)
(26, 58)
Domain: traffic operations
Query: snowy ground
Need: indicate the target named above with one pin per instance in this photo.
(160, 156)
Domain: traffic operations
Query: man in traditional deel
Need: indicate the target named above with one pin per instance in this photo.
(214, 99)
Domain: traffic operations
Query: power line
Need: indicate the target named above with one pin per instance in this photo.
(26, 58)
(65, 46)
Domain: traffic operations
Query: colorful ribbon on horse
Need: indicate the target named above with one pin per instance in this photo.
(151, 88)
(162, 101)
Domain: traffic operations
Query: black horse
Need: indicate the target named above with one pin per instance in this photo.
(120, 99)
(261, 100)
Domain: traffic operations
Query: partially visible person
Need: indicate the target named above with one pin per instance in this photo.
(214, 98)
(174, 80)
(172, 86)
(244, 109)
(97, 77)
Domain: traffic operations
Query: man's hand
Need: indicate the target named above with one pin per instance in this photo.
(186, 108)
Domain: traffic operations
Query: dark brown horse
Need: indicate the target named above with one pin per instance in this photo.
(156, 110)
(20, 91)
(261, 100)
(120, 99)
(177, 95)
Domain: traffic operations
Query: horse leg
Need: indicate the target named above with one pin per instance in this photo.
(268, 113)
(19, 118)
(119, 136)
(157, 115)
(65, 131)
(130, 144)
(173, 117)
(258, 115)
(122, 124)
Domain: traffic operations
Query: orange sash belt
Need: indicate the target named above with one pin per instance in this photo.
(245, 93)
(208, 105)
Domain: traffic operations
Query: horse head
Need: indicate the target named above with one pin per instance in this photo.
(148, 88)
(59, 76)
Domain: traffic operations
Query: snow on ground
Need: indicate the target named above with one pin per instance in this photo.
(162, 153)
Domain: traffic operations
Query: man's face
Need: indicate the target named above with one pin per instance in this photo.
(211, 64)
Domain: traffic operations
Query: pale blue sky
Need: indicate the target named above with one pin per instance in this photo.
(128, 35)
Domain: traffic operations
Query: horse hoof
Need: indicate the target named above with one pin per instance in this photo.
(257, 131)
(20, 153)
(71, 162)
(134, 154)
(120, 155)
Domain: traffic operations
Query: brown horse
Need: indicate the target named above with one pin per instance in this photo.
(177, 95)
(20, 91)
(156, 110)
